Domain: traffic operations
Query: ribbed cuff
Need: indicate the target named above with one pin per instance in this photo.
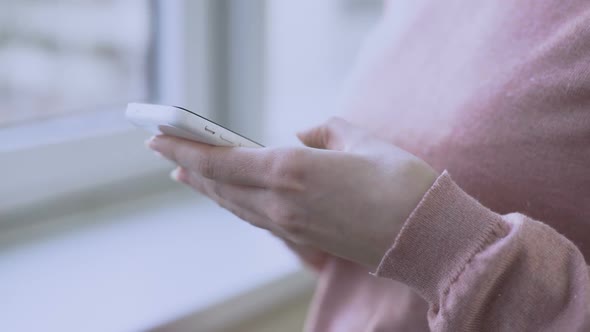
(439, 238)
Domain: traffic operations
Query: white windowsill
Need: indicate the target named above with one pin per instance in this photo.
(133, 266)
(71, 154)
(63, 128)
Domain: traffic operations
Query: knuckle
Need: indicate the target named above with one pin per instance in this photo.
(195, 184)
(288, 219)
(288, 169)
(208, 191)
(334, 121)
(206, 167)
(215, 189)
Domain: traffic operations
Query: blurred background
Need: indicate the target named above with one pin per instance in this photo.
(93, 234)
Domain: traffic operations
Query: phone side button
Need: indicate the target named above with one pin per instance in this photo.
(226, 140)
(210, 131)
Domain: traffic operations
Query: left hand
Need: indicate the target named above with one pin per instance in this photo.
(347, 193)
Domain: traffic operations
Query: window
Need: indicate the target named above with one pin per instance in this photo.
(68, 68)
(308, 64)
(219, 57)
(65, 56)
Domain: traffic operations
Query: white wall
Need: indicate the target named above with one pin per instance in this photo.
(311, 45)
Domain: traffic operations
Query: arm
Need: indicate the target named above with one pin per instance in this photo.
(482, 271)
(478, 270)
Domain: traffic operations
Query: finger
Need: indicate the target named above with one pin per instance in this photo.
(181, 175)
(251, 199)
(200, 184)
(247, 203)
(335, 134)
(245, 166)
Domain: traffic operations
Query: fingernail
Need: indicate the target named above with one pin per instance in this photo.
(158, 154)
(174, 174)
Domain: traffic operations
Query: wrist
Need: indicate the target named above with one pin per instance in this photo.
(416, 181)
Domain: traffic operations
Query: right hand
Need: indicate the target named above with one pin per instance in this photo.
(348, 193)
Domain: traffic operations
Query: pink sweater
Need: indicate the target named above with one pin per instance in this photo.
(497, 93)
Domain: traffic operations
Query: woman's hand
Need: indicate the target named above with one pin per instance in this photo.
(349, 194)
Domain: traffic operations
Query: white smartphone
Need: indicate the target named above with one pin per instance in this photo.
(180, 122)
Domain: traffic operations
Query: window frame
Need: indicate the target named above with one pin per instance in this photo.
(37, 159)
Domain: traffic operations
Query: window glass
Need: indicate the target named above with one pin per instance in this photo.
(65, 56)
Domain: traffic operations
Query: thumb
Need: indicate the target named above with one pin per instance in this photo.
(335, 134)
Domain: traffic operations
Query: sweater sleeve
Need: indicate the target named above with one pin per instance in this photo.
(482, 271)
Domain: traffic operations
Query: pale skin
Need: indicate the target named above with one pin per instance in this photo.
(346, 193)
